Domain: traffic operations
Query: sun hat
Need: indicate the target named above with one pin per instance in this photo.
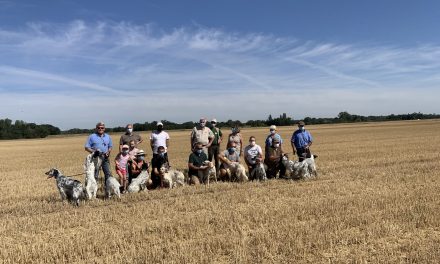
(140, 153)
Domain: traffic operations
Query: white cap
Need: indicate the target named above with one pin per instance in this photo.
(214, 120)
(274, 127)
(159, 124)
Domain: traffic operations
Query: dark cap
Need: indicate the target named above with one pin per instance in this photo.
(301, 123)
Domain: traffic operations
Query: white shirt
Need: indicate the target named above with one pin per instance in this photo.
(251, 152)
(159, 139)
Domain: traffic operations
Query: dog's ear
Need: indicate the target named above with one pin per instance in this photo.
(315, 156)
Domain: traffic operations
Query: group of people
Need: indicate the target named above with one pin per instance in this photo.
(205, 142)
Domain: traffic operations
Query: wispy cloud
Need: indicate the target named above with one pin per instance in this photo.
(228, 74)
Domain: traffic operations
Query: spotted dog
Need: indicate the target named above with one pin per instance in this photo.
(69, 189)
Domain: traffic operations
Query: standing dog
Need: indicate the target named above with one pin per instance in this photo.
(259, 173)
(69, 189)
(91, 188)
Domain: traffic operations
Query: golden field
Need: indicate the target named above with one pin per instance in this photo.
(376, 201)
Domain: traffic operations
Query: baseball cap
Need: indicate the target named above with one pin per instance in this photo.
(159, 124)
(301, 123)
(274, 127)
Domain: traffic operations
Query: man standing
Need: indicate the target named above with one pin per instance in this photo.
(159, 138)
(273, 134)
(214, 149)
(128, 136)
(301, 142)
(202, 134)
(101, 144)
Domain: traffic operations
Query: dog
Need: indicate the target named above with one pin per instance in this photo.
(171, 178)
(296, 170)
(237, 172)
(139, 183)
(112, 187)
(210, 172)
(259, 173)
(69, 188)
(91, 188)
(311, 165)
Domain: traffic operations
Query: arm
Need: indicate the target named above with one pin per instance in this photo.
(241, 145)
(192, 167)
(223, 159)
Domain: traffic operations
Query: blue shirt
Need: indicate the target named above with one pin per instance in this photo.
(96, 142)
(301, 138)
(269, 139)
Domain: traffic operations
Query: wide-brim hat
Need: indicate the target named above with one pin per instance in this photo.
(140, 153)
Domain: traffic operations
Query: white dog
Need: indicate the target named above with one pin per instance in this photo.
(300, 169)
(112, 187)
(210, 172)
(172, 178)
(237, 172)
(139, 183)
(90, 164)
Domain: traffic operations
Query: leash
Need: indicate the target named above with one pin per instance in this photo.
(75, 174)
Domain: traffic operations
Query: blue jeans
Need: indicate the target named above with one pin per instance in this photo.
(105, 168)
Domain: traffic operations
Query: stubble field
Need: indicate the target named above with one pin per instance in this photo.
(376, 201)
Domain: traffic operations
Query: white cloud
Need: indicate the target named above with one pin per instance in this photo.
(188, 72)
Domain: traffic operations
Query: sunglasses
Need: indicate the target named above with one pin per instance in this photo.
(101, 127)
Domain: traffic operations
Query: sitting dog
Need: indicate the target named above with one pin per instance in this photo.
(172, 178)
(69, 189)
(112, 187)
(205, 175)
(259, 173)
(139, 183)
(236, 172)
(91, 188)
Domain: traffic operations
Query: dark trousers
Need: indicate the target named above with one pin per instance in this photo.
(105, 166)
(303, 153)
(213, 151)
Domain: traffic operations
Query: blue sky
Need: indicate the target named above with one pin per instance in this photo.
(73, 63)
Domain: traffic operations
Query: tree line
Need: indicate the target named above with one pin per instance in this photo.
(20, 129)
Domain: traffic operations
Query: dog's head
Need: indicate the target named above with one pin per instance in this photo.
(54, 172)
(208, 163)
(162, 169)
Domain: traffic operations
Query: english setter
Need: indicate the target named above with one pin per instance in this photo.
(91, 162)
(305, 169)
(210, 172)
(172, 178)
(69, 188)
(259, 173)
(139, 183)
(236, 172)
(112, 187)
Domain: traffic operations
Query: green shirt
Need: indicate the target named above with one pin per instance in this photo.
(196, 160)
(217, 135)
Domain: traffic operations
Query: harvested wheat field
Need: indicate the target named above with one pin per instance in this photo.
(376, 201)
